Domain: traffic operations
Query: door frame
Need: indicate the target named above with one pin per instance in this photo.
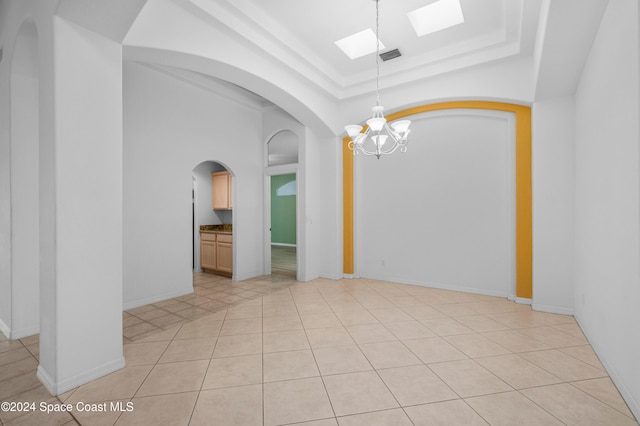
(268, 173)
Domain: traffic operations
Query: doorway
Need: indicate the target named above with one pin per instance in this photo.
(205, 215)
(283, 209)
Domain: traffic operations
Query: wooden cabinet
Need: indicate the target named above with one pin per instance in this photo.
(221, 190)
(224, 253)
(216, 253)
(208, 258)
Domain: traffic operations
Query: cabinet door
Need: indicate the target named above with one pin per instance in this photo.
(224, 255)
(220, 190)
(208, 254)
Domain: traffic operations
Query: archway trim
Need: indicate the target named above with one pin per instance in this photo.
(524, 267)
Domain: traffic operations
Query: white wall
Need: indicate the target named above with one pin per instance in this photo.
(607, 251)
(24, 318)
(315, 158)
(553, 124)
(5, 176)
(205, 215)
(19, 315)
(330, 207)
(170, 127)
(502, 81)
(88, 190)
(442, 214)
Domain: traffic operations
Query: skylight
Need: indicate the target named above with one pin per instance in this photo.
(436, 16)
(359, 44)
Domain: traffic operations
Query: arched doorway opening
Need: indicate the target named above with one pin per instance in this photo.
(281, 248)
(212, 218)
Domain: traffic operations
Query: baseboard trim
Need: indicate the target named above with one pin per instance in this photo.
(19, 333)
(428, 284)
(24, 332)
(523, 300)
(552, 309)
(57, 388)
(153, 299)
(331, 276)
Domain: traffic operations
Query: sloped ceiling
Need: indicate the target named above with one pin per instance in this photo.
(570, 27)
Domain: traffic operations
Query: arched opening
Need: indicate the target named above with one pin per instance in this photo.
(520, 131)
(281, 248)
(282, 149)
(25, 194)
(212, 213)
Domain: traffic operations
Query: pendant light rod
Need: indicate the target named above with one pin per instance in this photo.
(377, 127)
(377, 52)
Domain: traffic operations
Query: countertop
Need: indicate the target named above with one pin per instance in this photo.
(216, 229)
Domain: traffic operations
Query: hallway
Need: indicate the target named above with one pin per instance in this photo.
(283, 261)
(274, 351)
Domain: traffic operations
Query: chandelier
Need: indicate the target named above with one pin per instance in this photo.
(379, 138)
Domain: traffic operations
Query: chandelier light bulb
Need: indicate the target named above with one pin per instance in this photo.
(401, 126)
(376, 123)
(353, 130)
(379, 140)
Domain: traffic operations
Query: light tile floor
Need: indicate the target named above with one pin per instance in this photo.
(271, 351)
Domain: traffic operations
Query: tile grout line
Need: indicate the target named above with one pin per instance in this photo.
(324, 385)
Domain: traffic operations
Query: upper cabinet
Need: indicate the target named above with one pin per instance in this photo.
(221, 187)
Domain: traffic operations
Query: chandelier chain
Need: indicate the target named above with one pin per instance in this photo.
(377, 53)
(379, 138)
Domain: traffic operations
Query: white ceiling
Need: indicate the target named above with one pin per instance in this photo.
(546, 41)
(493, 30)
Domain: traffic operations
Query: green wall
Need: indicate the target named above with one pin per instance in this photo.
(283, 209)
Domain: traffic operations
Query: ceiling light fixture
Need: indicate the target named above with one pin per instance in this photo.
(384, 139)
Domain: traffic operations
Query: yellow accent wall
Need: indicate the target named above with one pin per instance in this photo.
(523, 185)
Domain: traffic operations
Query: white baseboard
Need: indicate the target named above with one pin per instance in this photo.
(552, 309)
(440, 286)
(26, 331)
(20, 332)
(153, 299)
(57, 388)
(331, 276)
(523, 300)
